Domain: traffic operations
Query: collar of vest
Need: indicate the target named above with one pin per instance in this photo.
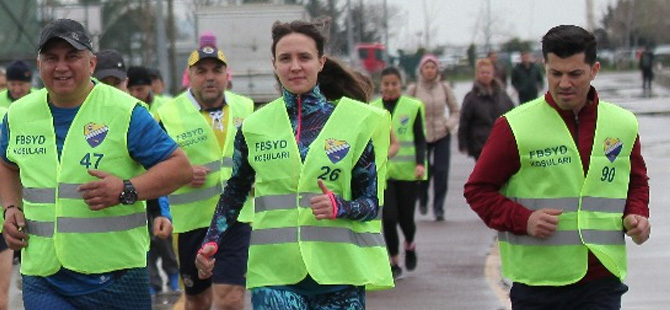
(314, 97)
(195, 103)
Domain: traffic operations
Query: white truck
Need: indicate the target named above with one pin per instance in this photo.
(243, 33)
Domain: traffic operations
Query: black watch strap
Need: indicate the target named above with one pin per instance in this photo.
(129, 195)
(4, 212)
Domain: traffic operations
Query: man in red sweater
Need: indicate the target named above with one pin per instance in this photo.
(562, 179)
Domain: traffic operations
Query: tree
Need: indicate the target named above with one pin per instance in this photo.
(631, 23)
(329, 14)
(368, 21)
(129, 28)
(472, 54)
(19, 30)
(602, 38)
(409, 63)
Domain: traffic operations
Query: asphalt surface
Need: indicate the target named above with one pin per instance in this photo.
(458, 264)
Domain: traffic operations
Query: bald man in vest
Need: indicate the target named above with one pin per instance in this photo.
(78, 160)
(562, 180)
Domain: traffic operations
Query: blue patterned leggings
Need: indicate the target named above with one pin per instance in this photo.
(352, 298)
(128, 292)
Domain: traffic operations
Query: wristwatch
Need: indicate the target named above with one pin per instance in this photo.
(129, 195)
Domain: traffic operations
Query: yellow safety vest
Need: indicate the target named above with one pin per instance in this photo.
(287, 242)
(403, 165)
(551, 176)
(157, 104)
(5, 101)
(63, 231)
(193, 208)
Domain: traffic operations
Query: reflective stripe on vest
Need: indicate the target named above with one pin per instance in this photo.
(282, 202)
(567, 237)
(69, 191)
(315, 234)
(196, 195)
(594, 204)
(227, 162)
(101, 224)
(405, 158)
(213, 166)
(286, 202)
(39, 195)
(607, 205)
(200, 193)
(42, 229)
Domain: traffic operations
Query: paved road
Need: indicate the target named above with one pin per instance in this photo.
(454, 255)
(649, 272)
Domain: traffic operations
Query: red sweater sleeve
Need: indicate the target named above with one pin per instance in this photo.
(498, 161)
(638, 187)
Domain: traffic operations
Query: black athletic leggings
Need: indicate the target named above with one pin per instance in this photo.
(399, 205)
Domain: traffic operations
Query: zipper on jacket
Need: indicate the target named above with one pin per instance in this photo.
(576, 130)
(299, 127)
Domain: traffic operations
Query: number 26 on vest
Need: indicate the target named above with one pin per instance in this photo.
(329, 173)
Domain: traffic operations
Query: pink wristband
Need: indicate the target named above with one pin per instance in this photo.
(334, 203)
(216, 248)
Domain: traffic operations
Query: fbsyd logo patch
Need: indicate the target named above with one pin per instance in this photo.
(95, 133)
(404, 119)
(336, 149)
(612, 147)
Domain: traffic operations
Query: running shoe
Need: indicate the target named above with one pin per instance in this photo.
(396, 271)
(410, 259)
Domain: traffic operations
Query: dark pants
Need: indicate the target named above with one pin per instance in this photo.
(399, 204)
(164, 249)
(439, 173)
(601, 294)
(647, 77)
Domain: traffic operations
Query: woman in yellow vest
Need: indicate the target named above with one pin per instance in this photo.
(405, 169)
(318, 167)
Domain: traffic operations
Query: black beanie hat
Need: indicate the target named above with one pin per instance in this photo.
(138, 76)
(19, 71)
